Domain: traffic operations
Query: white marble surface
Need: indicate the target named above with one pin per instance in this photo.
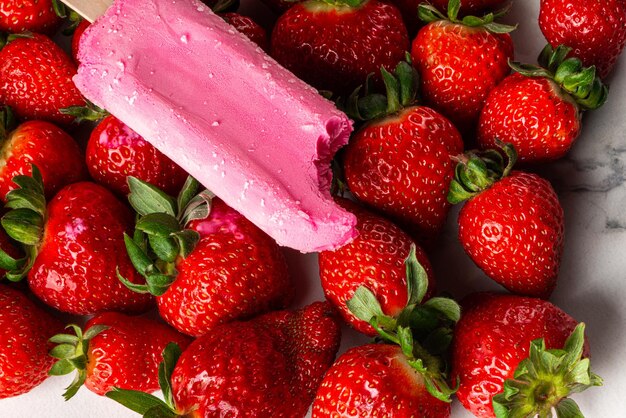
(592, 285)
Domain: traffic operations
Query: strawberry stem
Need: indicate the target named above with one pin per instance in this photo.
(429, 13)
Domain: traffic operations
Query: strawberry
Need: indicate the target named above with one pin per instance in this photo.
(52, 150)
(78, 32)
(17, 16)
(334, 45)
(248, 27)
(34, 64)
(460, 61)
(512, 222)
(399, 163)
(539, 109)
(516, 356)
(115, 350)
(374, 259)
(270, 366)
(376, 380)
(24, 331)
(596, 30)
(204, 261)
(72, 246)
(114, 152)
(404, 376)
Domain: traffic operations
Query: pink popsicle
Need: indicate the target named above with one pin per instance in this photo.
(208, 98)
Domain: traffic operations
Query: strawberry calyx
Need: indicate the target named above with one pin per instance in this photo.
(148, 405)
(579, 82)
(225, 6)
(401, 92)
(160, 236)
(543, 381)
(326, 5)
(71, 352)
(8, 123)
(477, 170)
(89, 112)
(6, 38)
(423, 329)
(429, 13)
(24, 222)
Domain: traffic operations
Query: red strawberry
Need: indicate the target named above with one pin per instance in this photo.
(78, 32)
(400, 162)
(376, 380)
(512, 224)
(334, 45)
(52, 150)
(502, 336)
(24, 331)
(538, 110)
(35, 64)
(115, 152)
(268, 367)
(219, 269)
(460, 62)
(17, 16)
(375, 259)
(118, 351)
(248, 27)
(596, 30)
(73, 246)
(404, 379)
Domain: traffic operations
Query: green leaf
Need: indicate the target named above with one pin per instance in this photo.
(416, 278)
(61, 368)
(137, 401)
(499, 409)
(166, 249)
(499, 28)
(138, 288)
(76, 384)
(59, 9)
(393, 91)
(454, 6)
(63, 351)
(447, 307)
(138, 257)
(364, 305)
(158, 224)
(9, 263)
(158, 283)
(405, 337)
(198, 208)
(188, 192)
(373, 106)
(64, 339)
(160, 411)
(574, 344)
(408, 80)
(88, 112)
(429, 13)
(23, 225)
(567, 408)
(94, 330)
(171, 354)
(146, 198)
(187, 240)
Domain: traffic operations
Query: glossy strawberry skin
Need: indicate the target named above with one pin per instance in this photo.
(36, 79)
(534, 115)
(78, 32)
(375, 380)
(248, 27)
(75, 270)
(459, 66)
(335, 47)
(54, 152)
(128, 353)
(596, 30)
(268, 367)
(374, 259)
(17, 16)
(401, 166)
(115, 151)
(235, 272)
(24, 333)
(514, 232)
(493, 336)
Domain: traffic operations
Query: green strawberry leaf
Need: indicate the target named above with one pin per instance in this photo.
(160, 225)
(198, 208)
(416, 278)
(23, 225)
(135, 400)
(171, 354)
(166, 249)
(364, 305)
(61, 368)
(146, 198)
(137, 255)
(138, 288)
(445, 306)
(187, 241)
(567, 408)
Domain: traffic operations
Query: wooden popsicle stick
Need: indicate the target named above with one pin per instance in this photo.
(89, 9)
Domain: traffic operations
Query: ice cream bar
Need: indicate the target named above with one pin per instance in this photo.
(212, 101)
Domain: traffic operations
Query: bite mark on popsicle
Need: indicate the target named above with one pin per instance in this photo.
(215, 103)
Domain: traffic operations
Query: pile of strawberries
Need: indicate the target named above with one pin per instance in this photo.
(111, 228)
